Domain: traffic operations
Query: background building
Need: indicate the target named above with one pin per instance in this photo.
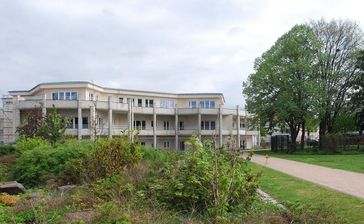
(165, 120)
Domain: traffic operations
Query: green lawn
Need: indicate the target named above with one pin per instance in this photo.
(288, 190)
(352, 162)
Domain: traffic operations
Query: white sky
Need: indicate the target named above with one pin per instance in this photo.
(171, 46)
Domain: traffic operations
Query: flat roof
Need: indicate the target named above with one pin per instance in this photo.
(107, 88)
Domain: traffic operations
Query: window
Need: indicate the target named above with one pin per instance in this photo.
(139, 125)
(55, 96)
(166, 144)
(182, 145)
(208, 125)
(142, 143)
(61, 95)
(212, 125)
(166, 125)
(207, 104)
(121, 100)
(192, 104)
(68, 95)
(64, 96)
(167, 104)
(74, 123)
(148, 103)
(73, 95)
(90, 97)
(204, 104)
(101, 122)
(85, 122)
(242, 125)
(181, 125)
(140, 103)
(152, 124)
(212, 104)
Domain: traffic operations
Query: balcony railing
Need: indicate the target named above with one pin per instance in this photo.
(36, 101)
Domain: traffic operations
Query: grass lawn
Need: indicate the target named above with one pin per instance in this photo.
(349, 161)
(288, 190)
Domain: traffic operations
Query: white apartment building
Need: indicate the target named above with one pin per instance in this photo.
(164, 120)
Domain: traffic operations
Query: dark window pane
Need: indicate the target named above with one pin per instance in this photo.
(213, 125)
(55, 96)
(85, 122)
(61, 96)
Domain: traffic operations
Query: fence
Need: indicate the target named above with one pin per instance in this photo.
(342, 142)
(280, 143)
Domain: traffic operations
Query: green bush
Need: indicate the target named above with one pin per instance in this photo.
(35, 166)
(205, 180)
(155, 156)
(4, 172)
(110, 213)
(24, 144)
(6, 149)
(111, 157)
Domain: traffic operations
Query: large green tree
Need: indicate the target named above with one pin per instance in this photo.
(337, 70)
(283, 88)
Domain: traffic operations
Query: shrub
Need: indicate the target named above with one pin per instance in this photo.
(4, 172)
(35, 166)
(110, 213)
(6, 149)
(5, 216)
(8, 200)
(25, 144)
(50, 127)
(206, 180)
(111, 157)
(155, 156)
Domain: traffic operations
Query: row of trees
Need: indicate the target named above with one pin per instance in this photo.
(311, 77)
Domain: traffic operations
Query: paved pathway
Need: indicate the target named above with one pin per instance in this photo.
(340, 180)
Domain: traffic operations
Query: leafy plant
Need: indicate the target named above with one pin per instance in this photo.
(6, 149)
(36, 166)
(111, 157)
(207, 181)
(24, 144)
(50, 127)
(53, 126)
(110, 213)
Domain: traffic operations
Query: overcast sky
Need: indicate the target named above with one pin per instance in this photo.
(172, 46)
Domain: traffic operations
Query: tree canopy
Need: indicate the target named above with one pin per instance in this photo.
(283, 88)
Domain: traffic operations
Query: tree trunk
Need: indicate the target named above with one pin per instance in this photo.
(303, 136)
(294, 134)
(322, 132)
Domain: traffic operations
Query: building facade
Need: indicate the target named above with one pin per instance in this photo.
(164, 120)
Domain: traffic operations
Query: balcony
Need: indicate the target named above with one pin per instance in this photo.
(165, 111)
(64, 104)
(210, 132)
(30, 104)
(186, 111)
(188, 132)
(143, 110)
(207, 111)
